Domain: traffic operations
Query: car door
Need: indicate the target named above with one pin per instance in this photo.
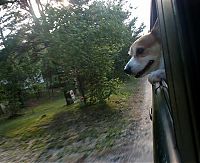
(175, 113)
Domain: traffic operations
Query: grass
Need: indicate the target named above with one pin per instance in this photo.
(28, 122)
(52, 124)
(34, 116)
(124, 93)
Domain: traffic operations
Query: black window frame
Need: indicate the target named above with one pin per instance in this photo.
(175, 117)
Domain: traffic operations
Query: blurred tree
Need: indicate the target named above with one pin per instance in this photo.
(87, 41)
(83, 43)
(19, 60)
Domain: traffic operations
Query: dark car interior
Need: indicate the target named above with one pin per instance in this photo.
(176, 117)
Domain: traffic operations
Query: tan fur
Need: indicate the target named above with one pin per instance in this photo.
(149, 59)
(147, 42)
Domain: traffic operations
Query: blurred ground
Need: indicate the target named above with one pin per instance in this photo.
(137, 145)
(120, 132)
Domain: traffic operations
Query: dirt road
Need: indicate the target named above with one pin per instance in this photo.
(142, 149)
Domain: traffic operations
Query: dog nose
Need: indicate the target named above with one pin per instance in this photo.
(127, 70)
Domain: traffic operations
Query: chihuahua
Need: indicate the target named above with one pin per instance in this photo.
(146, 57)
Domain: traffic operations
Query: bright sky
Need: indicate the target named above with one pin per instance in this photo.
(142, 11)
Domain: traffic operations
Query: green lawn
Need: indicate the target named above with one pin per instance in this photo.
(27, 123)
(93, 121)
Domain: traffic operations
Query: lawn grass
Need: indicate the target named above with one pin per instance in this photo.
(32, 117)
(102, 123)
(125, 91)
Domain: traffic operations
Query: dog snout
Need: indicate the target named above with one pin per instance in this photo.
(127, 70)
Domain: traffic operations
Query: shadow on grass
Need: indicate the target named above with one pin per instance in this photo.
(52, 130)
(84, 130)
(101, 117)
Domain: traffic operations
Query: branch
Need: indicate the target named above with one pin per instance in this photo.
(6, 2)
(2, 36)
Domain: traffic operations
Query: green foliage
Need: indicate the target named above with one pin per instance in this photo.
(102, 89)
(19, 70)
(83, 45)
(87, 44)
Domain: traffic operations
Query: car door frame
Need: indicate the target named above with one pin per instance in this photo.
(176, 114)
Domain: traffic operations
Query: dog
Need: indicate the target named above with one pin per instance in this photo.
(146, 57)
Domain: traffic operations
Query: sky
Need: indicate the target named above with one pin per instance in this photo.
(142, 11)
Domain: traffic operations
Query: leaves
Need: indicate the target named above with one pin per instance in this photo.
(83, 44)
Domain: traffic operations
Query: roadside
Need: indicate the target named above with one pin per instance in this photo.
(118, 132)
(136, 141)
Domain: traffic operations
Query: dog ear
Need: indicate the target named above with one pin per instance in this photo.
(156, 30)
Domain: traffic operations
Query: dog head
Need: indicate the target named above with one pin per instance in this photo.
(145, 54)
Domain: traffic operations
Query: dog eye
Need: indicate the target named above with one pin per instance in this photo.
(139, 50)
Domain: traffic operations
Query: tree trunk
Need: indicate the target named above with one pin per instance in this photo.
(2, 37)
(81, 89)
